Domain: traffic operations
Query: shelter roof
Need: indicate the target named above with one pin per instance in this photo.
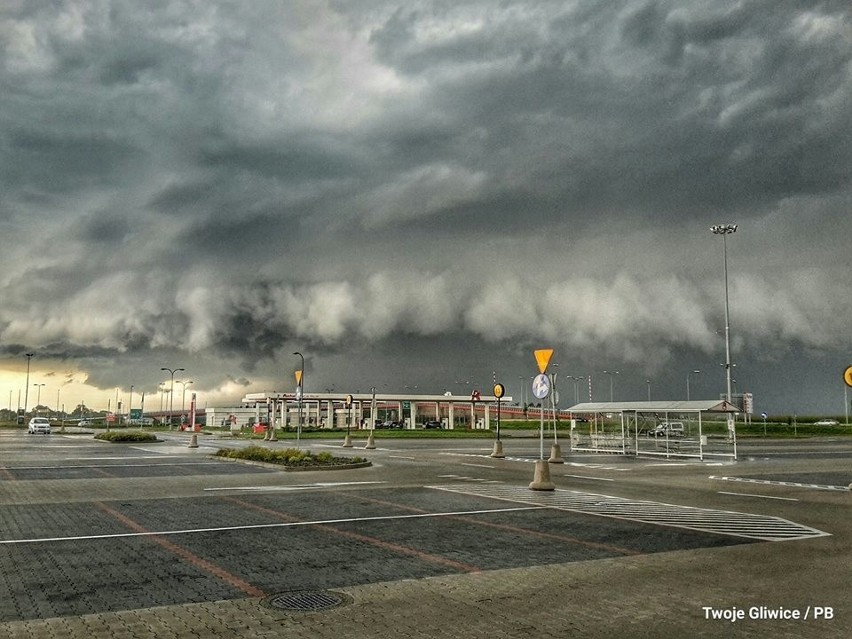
(694, 406)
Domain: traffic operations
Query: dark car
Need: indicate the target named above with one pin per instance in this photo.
(433, 424)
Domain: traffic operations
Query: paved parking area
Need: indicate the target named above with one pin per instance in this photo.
(137, 535)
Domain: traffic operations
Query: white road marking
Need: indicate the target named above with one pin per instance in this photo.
(121, 458)
(585, 477)
(720, 522)
(722, 492)
(208, 463)
(294, 524)
(770, 482)
(329, 484)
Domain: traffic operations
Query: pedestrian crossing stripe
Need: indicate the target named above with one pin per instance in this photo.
(720, 522)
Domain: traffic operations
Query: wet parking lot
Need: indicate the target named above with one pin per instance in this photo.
(90, 528)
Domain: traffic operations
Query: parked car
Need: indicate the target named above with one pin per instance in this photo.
(667, 429)
(39, 425)
(84, 422)
(433, 423)
(826, 422)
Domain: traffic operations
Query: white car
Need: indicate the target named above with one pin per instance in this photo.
(39, 425)
(667, 429)
(826, 422)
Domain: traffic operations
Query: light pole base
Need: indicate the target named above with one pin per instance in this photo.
(272, 436)
(498, 450)
(193, 441)
(541, 480)
(556, 454)
(347, 441)
(371, 442)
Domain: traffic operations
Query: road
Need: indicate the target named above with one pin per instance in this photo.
(95, 531)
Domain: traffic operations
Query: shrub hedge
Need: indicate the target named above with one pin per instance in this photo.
(116, 436)
(288, 457)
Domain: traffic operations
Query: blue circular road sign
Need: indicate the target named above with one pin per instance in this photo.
(541, 386)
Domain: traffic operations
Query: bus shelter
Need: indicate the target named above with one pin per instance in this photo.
(699, 429)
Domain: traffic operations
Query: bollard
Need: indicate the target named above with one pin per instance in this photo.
(347, 441)
(193, 441)
(498, 450)
(371, 442)
(541, 480)
(556, 454)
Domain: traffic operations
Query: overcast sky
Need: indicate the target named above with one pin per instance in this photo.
(422, 193)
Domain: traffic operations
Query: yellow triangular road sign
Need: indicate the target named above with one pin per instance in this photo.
(542, 356)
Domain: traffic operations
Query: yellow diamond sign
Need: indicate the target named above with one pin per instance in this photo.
(542, 357)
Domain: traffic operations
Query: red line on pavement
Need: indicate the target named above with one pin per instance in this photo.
(380, 543)
(185, 554)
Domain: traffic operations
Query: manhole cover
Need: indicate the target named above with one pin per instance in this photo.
(307, 600)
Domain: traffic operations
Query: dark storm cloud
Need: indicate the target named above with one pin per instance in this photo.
(648, 108)
(232, 181)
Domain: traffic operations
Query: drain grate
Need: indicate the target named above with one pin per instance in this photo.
(307, 600)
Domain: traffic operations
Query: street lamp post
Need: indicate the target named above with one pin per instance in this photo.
(300, 390)
(38, 395)
(611, 374)
(577, 379)
(172, 372)
(29, 356)
(687, 381)
(371, 438)
(724, 230)
(648, 382)
(184, 383)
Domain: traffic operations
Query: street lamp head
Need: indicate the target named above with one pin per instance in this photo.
(723, 229)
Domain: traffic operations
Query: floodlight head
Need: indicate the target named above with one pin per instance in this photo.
(723, 229)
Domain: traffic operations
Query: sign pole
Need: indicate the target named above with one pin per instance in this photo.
(847, 377)
(541, 388)
(499, 391)
(347, 442)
